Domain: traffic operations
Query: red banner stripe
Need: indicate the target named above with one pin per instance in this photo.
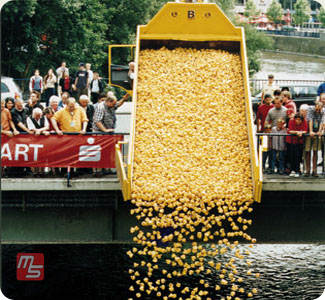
(91, 151)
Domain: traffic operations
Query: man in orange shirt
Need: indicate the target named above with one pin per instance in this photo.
(70, 119)
(7, 125)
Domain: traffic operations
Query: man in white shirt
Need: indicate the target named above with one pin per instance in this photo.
(269, 88)
(90, 76)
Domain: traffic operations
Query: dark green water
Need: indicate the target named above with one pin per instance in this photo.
(100, 271)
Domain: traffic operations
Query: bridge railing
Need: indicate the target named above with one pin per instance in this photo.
(23, 84)
(257, 84)
(93, 150)
(306, 34)
(304, 150)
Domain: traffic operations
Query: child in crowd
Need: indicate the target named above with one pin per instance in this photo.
(297, 126)
(278, 147)
(267, 154)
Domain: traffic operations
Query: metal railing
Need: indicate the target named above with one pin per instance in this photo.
(124, 152)
(305, 34)
(23, 83)
(306, 149)
(257, 84)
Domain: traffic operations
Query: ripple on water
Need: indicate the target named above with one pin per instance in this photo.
(286, 66)
(287, 272)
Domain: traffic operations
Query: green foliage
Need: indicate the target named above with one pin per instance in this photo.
(227, 7)
(41, 33)
(321, 16)
(302, 12)
(72, 30)
(155, 6)
(251, 10)
(255, 42)
(275, 12)
(49, 32)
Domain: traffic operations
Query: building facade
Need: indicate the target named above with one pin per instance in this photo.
(263, 5)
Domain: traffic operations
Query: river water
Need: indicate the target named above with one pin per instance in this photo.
(97, 271)
(288, 66)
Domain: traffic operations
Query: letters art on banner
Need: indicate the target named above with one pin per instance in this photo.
(97, 151)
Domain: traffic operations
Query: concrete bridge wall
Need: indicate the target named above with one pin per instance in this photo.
(299, 45)
(104, 217)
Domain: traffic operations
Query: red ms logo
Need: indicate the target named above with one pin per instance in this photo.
(30, 266)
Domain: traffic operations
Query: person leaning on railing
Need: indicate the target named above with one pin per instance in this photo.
(38, 124)
(72, 118)
(10, 103)
(49, 113)
(297, 126)
(19, 115)
(7, 125)
(104, 117)
(316, 121)
(105, 120)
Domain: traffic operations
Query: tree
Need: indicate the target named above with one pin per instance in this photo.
(275, 12)
(74, 31)
(321, 16)
(302, 12)
(40, 34)
(255, 42)
(227, 7)
(251, 10)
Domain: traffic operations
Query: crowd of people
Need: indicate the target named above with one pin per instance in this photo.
(90, 110)
(79, 105)
(296, 135)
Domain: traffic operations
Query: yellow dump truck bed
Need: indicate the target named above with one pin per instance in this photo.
(192, 131)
